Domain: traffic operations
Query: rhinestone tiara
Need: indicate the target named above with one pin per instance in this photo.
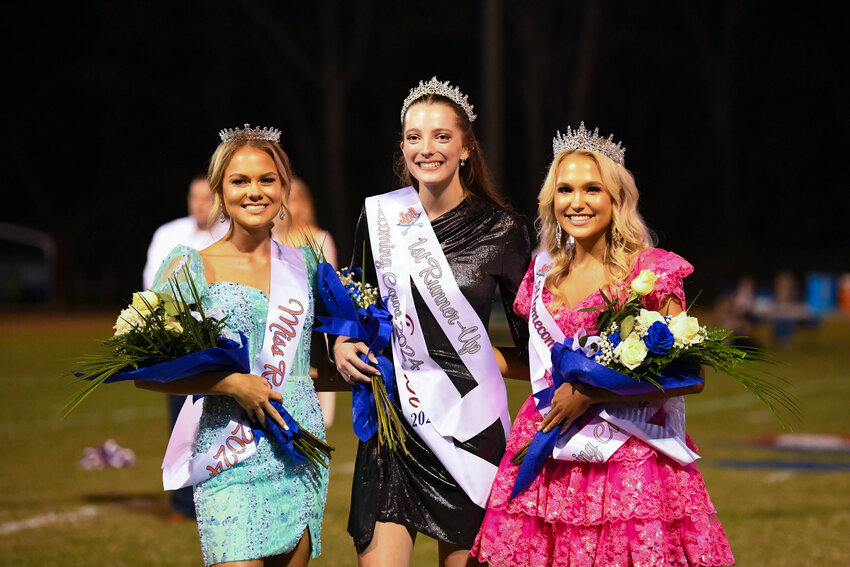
(443, 89)
(582, 139)
(248, 133)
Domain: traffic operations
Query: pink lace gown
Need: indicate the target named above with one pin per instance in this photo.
(638, 508)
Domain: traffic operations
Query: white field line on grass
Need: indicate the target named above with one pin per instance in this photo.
(746, 399)
(55, 421)
(341, 469)
(48, 519)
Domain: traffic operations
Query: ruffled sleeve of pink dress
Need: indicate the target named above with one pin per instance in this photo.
(638, 508)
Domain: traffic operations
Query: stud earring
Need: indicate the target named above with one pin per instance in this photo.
(462, 162)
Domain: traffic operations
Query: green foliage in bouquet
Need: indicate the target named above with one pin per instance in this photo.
(154, 328)
(641, 344)
(318, 452)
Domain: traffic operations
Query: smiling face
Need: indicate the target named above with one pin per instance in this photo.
(252, 189)
(582, 204)
(432, 144)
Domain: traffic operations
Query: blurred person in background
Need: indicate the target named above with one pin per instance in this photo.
(787, 311)
(736, 311)
(303, 230)
(195, 231)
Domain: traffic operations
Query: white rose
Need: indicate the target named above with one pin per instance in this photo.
(685, 329)
(644, 283)
(127, 320)
(647, 318)
(170, 305)
(172, 324)
(139, 299)
(631, 351)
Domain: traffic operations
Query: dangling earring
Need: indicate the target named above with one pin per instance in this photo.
(282, 213)
(558, 236)
(617, 238)
(462, 162)
(221, 215)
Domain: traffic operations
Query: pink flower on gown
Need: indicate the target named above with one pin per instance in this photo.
(640, 508)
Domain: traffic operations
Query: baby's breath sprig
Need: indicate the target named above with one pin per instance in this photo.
(390, 429)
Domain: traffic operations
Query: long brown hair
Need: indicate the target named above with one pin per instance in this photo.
(475, 175)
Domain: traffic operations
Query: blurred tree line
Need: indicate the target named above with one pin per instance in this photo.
(731, 113)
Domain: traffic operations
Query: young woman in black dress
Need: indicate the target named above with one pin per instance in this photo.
(441, 486)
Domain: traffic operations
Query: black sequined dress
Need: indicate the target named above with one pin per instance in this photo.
(487, 248)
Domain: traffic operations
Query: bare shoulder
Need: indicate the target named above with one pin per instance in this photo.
(215, 259)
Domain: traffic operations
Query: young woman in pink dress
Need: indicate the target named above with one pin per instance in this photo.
(636, 504)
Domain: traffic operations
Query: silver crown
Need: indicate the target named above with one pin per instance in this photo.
(582, 139)
(248, 133)
(443, 89)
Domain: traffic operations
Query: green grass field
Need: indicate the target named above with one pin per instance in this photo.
(55, 513)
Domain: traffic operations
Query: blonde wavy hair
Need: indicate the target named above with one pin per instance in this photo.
(221, 159)
(620, 253)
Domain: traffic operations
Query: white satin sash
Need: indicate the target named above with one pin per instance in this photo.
(289, 298)
(405, 248)
(597, 440)
(661, 423)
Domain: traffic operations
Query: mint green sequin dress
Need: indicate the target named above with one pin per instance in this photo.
(259, 507)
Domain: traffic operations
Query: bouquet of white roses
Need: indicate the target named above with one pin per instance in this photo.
(161, 328)
(162, 337)
(641, 344)
(637, 350)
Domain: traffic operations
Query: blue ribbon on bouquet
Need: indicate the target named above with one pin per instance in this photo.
(572, 365)
(284, 438)
(227, 356)
(372, 325)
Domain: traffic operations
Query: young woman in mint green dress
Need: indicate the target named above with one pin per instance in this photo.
(266, 509)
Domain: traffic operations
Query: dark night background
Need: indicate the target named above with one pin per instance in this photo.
(734, 116)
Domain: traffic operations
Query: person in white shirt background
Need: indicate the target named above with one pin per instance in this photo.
(197, 231)
(302, 228)
(194, 230)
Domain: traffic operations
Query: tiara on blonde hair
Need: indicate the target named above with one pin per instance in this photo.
(583, 139)
(443, 89)
(233, 134)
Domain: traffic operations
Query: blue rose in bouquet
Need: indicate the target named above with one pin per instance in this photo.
(637, 351)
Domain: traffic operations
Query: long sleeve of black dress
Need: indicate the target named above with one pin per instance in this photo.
(487, 248)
